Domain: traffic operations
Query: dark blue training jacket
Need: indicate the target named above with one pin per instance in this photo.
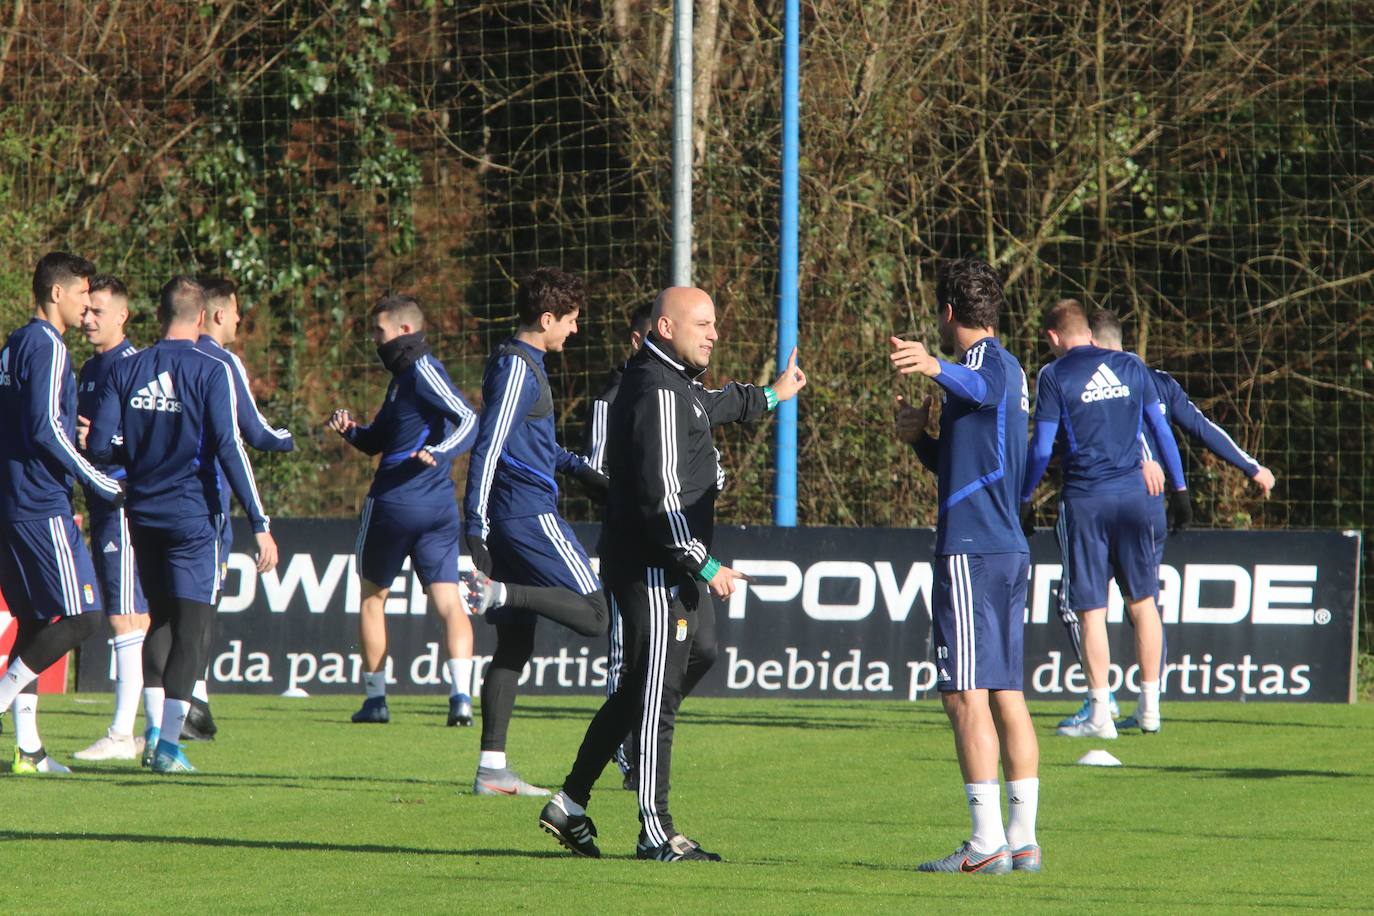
(422, 409)
(38, 455)
(177, 411)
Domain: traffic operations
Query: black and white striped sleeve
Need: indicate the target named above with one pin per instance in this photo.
(661, 425)
(594, 437)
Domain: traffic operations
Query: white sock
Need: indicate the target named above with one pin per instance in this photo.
(199, 691)
(374, 682)
(1148, 708)
(460, 673)
(985, 809)
(154, 699)
(492, 760)
(1023, 798)
(17, 677)
(1099, 709)
(501, 594)
(26, 723)
(128, 650)
(173, 717)
(568, 805)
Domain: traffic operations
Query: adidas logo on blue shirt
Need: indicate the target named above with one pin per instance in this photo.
(1103, 386)
(157, 395)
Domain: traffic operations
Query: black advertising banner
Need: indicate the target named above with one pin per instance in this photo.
(829, 612)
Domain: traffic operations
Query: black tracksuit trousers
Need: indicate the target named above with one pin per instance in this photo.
(670, 642)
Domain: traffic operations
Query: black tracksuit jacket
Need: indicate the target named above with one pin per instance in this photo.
(664, 468)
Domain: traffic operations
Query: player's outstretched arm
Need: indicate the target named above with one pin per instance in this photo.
(364, 438)
(253, 426)
(1190, 418)
(910, 357)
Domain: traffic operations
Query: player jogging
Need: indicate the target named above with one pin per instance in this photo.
(1103, 400)
(111, 549)
(981, 564)
(221, 329)
(177, 412)
(513, 528)
(411, 509)
(45, 571)
(660, 518)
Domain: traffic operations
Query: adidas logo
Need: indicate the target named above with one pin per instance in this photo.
(1103, 386)
(110, 547)
(157, 395)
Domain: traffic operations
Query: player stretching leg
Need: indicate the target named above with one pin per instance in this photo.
(981, 564)
(411, 509)
(594, 448)
(660, 518)
(178, 414)
(514, 531)
(1104, 399)
(125, 606)
(221, 329)
(45, 571)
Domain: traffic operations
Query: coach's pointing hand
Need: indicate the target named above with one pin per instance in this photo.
(791, 381)
(267, 551)
(722, 584)
(911, 356)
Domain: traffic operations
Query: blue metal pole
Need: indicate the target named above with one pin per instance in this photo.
(785, 446)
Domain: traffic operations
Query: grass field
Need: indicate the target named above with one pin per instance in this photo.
(816, 806)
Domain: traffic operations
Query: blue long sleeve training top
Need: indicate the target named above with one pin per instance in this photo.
(253, 426)
(422, 409)
(511, 474)
(1102, 399)
(980, 456)
(1179, 409)
(89, 383)
(177, 411)
(38, 455)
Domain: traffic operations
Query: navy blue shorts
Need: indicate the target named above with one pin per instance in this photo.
(390, 532)
(180, 562)
(1117, 534)
(113, 553)
(978, 616)
(45, 571)
(539, 550)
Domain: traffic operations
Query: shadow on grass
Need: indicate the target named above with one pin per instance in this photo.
(291, 845)
(1265, 723)
(1236, 772)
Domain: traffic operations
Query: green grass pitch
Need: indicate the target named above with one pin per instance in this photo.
(816, 806)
